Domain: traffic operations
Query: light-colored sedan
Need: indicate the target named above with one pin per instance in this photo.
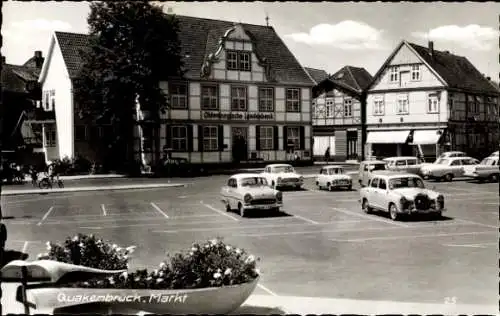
(282, 175)
(333, 177)
(488, 169)
(249, 191)
(448, 168)
(400, 194)
(494, 154)
(404, 164)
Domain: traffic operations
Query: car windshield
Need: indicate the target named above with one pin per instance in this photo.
(333, 171)
(406, 182)
(253, 182)
(442, 161)
(378, 166)
(488, 162)
(283, 169)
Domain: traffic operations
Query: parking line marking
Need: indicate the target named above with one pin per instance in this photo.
(481, 245)
(266, 289)
(103, 207)
(467, 190)
(369, 217)
(157, 208)
(45, 216)
(159, 224)
(411, 236)
(476, 223)
(219, 211)
(306, 219)
(25, 246)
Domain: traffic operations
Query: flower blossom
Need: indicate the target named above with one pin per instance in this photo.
(238, 251)
(250, 259)
(118, 249)
(214, 241)
(130, 249)
(228, 248)
(124, 275)
(228, 271)
(149, 278)
(162, 265)
(81, 245)
(194, 249)
(75, 238)
(111, 280)
(115, 246)
(257, 271)
(137, 279)
(159, 280)
(217, 275)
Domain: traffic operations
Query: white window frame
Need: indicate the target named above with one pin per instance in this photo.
(266, 99)
(210, 142)
(238, 98)
(416, 73)
(210, 98)
(179, 142)
(266, 135)
(292, 101)
(232, 60)
(348, 107)
(394, 74)
(378, 107)
(432, 104)
(177, 99)
(403, 105)
(330, 106)
(290, 133)
(238, 60)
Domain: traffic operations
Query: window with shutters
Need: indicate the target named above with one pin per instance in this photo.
(210, 139)
(179, 138)
(293, 100)
(293, 136)
(178, 95)
(266, 99)
(209, 98)
(266, 138)
(238, 98)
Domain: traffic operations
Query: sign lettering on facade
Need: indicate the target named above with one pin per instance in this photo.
(238, 116)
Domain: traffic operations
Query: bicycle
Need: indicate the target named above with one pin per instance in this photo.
(48, 183)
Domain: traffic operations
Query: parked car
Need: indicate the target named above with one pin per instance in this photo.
(250, 191)
(488, 169)
(400, 194)
(333, 177)
(282, 175)
(452, 154)
(403, 164)
(367, 167)
(494, 154)
(448, 168)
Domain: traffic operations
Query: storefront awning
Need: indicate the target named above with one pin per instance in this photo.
(387, 137)
(426, 137)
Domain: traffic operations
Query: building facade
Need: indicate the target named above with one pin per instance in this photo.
(243, 96)
(423, 102)
(338, 114)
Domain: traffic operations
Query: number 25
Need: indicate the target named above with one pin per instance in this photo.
(450, 300)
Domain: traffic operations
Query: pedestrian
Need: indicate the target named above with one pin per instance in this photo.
(34, 175)
(327, 155)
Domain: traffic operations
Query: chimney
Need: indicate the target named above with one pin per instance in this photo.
(38, 59)
(431, 48)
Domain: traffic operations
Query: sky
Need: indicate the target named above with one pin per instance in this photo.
(324, 35)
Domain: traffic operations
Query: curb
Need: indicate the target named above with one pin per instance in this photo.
(95, 188)
(97, 176)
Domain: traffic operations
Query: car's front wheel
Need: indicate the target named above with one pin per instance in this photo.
(349, 188)
(393, 212)
(494, 178)
(241, 210)
(448, 177)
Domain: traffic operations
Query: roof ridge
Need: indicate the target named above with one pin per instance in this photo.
(353, 78)
(219, 20)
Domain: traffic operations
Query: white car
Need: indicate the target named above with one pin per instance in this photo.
(448, 168)
(282, 175)
(333, 177)
(487, 169)
(400, 194)
(250, 191)
(494, 154)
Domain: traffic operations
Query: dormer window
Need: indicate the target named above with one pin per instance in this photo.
(238, 60)
(394, 74)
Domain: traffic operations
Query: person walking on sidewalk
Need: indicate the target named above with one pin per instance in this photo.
(327, 155)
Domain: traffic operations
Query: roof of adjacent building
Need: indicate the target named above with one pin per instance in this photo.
(317, 75)
(353, 79)
(15, 77)
(200, 37)
(457, 71)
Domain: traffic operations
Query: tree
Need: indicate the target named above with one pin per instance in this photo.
(133, 46)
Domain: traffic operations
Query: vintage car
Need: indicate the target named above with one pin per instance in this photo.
(367, 167)
(448, 168)
(488, 169)
(403, 164)
(333, 177)
(400, 194)
(282, 175)
(452, 154)
(494, 154)
(250, 191)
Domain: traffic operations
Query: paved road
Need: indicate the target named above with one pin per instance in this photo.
(323, 246)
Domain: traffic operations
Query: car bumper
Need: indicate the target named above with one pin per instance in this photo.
(262, 206)
(290, 184)
(426, 211)
(340, 185)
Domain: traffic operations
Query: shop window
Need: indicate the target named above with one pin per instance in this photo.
(293, 137)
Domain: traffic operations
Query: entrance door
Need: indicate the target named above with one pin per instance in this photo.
(239, 143)
(352, 145)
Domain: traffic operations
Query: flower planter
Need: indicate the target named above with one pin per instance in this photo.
(215, 300)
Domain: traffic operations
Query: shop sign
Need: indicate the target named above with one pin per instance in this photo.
(237, 116)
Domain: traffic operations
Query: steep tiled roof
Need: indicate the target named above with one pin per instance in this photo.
(355, 78)
(199, 37)
(15, 77)
(457, 71)
(71, 44)
(317, 75)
